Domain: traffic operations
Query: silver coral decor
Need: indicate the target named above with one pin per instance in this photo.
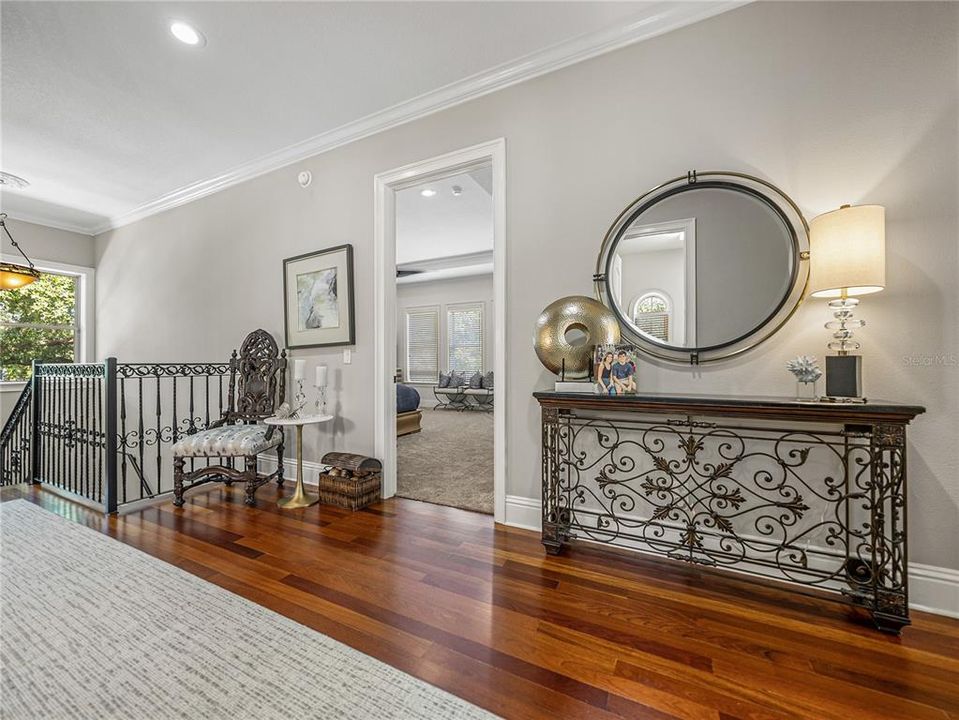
(807, 372)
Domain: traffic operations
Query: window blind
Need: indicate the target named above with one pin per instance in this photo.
(465, 338)
(654, 323)
(422, 344)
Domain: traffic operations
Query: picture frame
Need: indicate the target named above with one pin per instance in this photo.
(318, 298)
(616, 375)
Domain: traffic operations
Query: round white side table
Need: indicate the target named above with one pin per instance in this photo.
(299, 499)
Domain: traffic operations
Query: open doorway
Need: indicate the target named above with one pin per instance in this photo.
(440, 317)
(445, 341)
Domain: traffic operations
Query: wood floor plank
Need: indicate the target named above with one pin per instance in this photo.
(832, 620)
(481, 611)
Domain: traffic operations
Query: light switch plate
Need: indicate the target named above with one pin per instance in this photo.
(347, 356)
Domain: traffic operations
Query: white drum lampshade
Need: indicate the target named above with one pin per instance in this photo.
(847, 252)
(847, 257)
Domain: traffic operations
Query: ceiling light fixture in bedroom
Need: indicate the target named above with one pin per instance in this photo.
(187, 34)
(13, 181)
(428, 192)
(456, 190)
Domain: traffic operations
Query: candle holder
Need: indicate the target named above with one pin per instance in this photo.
(299, 400)
(320, 382)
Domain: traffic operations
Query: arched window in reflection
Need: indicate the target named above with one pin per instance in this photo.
(652, 314)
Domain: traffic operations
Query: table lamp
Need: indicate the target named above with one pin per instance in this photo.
(847, 258)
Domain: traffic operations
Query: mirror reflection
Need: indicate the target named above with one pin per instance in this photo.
(702, 267)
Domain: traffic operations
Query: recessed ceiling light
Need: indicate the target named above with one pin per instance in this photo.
(187, 34)
(456, 190)
(428, 192)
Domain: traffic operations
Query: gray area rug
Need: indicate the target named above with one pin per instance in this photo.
(93, 628)
(450, 461)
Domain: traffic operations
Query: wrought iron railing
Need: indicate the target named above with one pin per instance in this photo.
(103, 431)
(157, 404)
(15, 442)
(70, 439)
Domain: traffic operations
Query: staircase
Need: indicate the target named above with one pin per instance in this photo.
(15, 441)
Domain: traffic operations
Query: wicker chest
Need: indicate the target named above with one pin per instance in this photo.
(352, 481)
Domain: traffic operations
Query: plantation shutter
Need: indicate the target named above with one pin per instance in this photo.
(651, 315)
(465, 338)
(422, 344)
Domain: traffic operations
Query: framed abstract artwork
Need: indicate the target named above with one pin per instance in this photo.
(318, 298)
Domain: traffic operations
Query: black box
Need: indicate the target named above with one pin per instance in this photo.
(844, 376)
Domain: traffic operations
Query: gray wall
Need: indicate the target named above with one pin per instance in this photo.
(46, 243)
(833, 102)
(741, 260)
(663, 270)
(42, 243)
(442, 293)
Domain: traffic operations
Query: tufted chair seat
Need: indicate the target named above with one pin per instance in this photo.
(257, 386)
(227, 441)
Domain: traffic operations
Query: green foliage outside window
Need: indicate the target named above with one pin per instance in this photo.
(37, 322)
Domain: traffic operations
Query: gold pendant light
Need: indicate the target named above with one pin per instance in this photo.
(14, 275)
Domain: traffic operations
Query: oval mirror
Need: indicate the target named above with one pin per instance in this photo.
(705, 266)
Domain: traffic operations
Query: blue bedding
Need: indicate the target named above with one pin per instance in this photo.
(407, 398)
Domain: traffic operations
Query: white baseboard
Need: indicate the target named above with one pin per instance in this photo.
(931, 589)
(934, 589)
(523, 512)
(311, 470)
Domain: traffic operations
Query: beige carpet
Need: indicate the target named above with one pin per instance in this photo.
(449, 462)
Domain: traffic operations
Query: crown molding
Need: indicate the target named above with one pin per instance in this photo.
(448, 261)
(451, 267)
(656, 20)
(52, 223)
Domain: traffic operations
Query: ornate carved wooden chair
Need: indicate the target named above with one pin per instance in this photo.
(256, 390)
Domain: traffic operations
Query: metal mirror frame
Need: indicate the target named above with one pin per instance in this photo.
(773, 197)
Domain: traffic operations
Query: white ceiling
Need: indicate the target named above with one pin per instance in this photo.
(445, 225)
(112, 119)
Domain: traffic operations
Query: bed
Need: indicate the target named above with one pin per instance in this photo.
(408, 415)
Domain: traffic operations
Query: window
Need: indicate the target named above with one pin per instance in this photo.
(651, 316)
(40, 321)
(422, 344)
(464, 329)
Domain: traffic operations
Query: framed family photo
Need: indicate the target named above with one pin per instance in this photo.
(615, 368)
(318, 298)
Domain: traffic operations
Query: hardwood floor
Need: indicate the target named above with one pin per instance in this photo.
(484, 613)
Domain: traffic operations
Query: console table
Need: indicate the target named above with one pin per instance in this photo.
(812, 494)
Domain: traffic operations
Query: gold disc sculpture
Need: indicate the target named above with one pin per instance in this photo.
(567, 331)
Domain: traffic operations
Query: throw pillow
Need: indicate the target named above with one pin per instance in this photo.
(456, 380)
(476, 381)
(444, 380)
(488, 380)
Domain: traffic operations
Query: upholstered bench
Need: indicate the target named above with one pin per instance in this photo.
(450, 397)
(455, 390)
(482, 396)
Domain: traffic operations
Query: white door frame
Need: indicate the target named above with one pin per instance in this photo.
(385, 186)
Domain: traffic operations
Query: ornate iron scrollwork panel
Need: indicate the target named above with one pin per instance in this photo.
(815, 505)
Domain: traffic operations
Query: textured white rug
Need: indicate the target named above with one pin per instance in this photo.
(93, 628)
